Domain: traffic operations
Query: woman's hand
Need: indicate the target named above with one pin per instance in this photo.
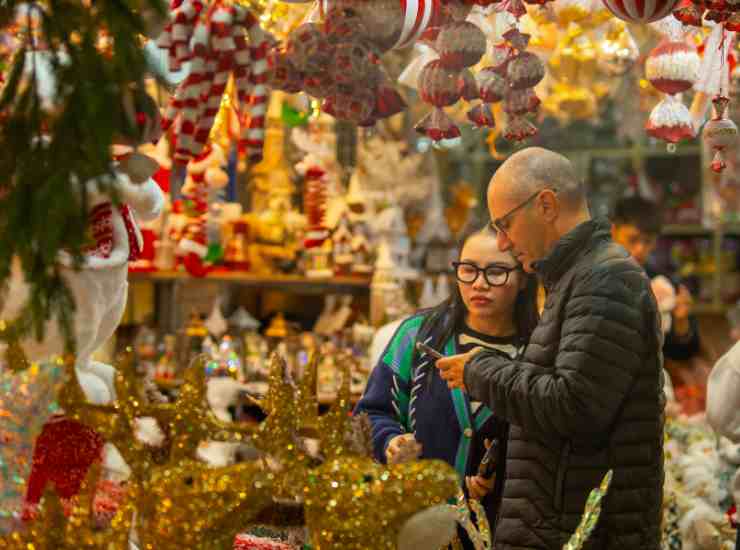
(402, 448)
(478, 486)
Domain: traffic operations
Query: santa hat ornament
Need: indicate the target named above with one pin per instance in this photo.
(672, 67)
(314, 202)
(719, 133)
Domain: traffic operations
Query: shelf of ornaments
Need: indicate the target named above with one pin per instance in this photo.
(286, 282)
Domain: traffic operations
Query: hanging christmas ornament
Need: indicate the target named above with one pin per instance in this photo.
(460, 44)
(719, 133)
(637, 11)
(526, 70)
(670, 121)
(439, 87)
(672, 67)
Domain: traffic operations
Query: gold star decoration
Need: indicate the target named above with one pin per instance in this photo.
(349, 500)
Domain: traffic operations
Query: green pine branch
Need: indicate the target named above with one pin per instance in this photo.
(42, 153)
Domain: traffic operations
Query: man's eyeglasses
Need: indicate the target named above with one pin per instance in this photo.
(495, 275)
(502, 224)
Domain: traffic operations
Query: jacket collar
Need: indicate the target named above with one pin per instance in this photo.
(570, 248)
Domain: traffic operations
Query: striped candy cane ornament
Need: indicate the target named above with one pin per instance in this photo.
(176, 35)
(253, 136)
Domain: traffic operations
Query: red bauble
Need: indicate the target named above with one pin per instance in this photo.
(492, 86)
(672, 67)
(526, 70)
(460, 44)
(439, 85)
(638, 11)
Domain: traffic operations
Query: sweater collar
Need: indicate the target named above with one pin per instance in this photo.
(572, 246)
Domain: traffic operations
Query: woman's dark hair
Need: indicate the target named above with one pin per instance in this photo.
(448, 318)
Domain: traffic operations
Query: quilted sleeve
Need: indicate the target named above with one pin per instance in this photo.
(604, 339)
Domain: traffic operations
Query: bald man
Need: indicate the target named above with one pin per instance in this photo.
(586, 396)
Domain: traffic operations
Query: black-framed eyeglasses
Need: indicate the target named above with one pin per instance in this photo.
(500, 224)
(495, 275)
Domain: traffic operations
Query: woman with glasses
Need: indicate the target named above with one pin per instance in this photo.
(413, 412)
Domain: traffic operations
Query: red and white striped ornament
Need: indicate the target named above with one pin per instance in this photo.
(215, 43)
(640, 11)
(253, 135)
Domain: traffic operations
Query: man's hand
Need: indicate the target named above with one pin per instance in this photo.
(684, 305)
(452, 368)
(478, 486)
(402, 448)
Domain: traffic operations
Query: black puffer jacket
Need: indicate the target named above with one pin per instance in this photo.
(586, 397)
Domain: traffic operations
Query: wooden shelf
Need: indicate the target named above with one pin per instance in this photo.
(689, 230)
(277, 282)
(710, 309)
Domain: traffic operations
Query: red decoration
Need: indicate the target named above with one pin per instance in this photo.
(215, 44)
(314, 203)
(62, 455)
(250, 542)
(672, 67)
(670, 121)
(354, 105)
(639, 11)
(438, 84)
(460, 44)
(525, 71)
